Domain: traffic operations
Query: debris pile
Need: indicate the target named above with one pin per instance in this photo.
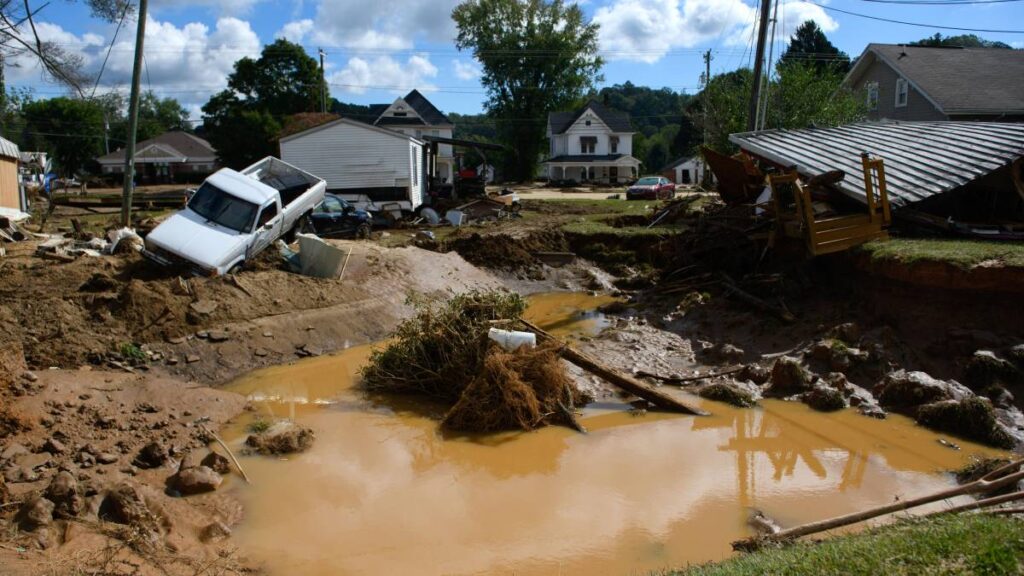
(443, 352)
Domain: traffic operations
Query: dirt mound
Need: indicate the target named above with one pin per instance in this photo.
(503, 251)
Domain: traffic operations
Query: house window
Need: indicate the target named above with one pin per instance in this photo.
(412, 169)
(588, 144)
(902, 91)
(872, 96)
(614, 142)
(399, 114)
(587, 122)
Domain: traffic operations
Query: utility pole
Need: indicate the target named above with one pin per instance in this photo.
(133, 120)
(705, 82)
(323, 84)
(762, 110)
(755, 91)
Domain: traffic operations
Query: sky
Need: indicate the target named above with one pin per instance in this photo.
(377, 50)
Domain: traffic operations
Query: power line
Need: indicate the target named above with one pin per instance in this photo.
(914, 23)
(941, 2)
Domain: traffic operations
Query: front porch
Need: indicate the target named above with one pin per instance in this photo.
(617, 172)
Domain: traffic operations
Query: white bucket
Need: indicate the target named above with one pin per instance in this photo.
(511, 340)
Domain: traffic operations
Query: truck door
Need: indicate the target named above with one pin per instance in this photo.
(268, 228)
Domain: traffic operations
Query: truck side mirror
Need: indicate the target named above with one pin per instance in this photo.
(268, 226)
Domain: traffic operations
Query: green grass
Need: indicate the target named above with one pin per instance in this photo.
(962, 544)
(258, 426)
(594, 217)
(961, 253)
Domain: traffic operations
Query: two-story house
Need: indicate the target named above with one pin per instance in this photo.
(592, 144)
(415, 116)
(917, 83)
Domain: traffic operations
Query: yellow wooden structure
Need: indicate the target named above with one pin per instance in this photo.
(795, 217)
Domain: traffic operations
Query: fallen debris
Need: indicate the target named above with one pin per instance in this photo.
(284, 437)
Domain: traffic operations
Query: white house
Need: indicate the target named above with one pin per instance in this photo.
(415, 116)
(364, 164)
(594, 143)
(685, 170)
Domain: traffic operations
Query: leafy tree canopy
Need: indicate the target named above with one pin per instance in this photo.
(538, 56)
(810, 45)
(70, 129)
(243, 121)
(962, 41)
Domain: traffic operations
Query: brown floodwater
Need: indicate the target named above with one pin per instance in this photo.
(569, 313)
(384, 491)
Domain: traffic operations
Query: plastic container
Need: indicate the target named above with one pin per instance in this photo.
(511, 340)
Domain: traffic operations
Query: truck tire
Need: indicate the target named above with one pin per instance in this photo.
(363, 231)
(301, 225)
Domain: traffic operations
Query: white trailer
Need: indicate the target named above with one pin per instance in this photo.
(370, 167)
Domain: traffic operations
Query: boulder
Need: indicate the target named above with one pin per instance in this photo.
(217, 463)
(1016, 355)
(63, 491)
(724, 353)
(728, 392)
(197, 480)
(904, 391)
(971, 418)
(35, 513)
(848, 332)
(124, 505)
(788, 377)
(986, 369)
(281, 438)
(214, 532)
(754, 373)
(152, 455)
(824, 399)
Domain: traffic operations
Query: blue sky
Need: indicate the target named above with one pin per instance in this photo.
(380, 49)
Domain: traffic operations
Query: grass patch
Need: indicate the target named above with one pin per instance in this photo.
(258, 426)
(130, 351)
(958, 544)
(961, 253)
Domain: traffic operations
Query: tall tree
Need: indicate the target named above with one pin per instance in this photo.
(70, 129)
(809, 44)
(538, 56)
(242, 122)
(961, 41)
(158, 115)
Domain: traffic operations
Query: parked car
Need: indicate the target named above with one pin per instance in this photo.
(651, 188)
(233, 216)
(335, 217)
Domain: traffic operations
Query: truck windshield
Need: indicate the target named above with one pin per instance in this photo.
(222, 208)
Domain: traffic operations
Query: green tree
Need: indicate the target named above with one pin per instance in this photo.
(721, 107)
(804, 96)
(538, 56)
(961, 41)
(242, 122)
(70, 129)
(810, 45)
(158, 115)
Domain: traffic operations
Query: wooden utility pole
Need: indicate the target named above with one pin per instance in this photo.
(706, 82)
(133, 120)
(755, 91)
(323, 84)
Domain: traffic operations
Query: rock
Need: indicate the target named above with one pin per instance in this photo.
(872, 410)
(191, 358)
(1016, 355)
(29, 376)
(214, 532)
(260, 352)
(217, 463)
(64, 493)
(824, 399)
(152, 455)
(848, 332)
(203, 307)
(54, 446)
(788, 377)
(17, 474)
(754, 373)
(729, 393)
(35, 513)
(838, 381)
(196, 480)
(107, 458)
(219, 336)
(986, 369)
(177, 340)
(281, 438)
(191, 459)
(724, 353)
(905, 391)
(13, 450)
(5, 493)
(124, 505)
(971, 418)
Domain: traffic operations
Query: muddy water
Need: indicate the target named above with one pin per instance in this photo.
(569, 313)
(383, 491)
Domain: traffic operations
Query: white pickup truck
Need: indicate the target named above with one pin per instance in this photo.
(233, 216)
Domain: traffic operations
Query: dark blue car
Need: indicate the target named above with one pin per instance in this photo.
(336, 218)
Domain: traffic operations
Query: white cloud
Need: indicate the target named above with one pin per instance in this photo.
(466, 70)
(384, 73)
(646, 30)
(383, 24)
(295, 31)
(791, 15)
(25, 67)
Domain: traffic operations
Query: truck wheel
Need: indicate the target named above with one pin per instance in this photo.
(236, 268)
(363, 231)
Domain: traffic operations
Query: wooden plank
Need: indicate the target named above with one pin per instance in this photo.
(841, 222)
(627, 383)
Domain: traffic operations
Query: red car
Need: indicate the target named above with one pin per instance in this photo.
(651, 188)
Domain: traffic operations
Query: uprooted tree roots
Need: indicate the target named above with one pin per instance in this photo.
(443, 352)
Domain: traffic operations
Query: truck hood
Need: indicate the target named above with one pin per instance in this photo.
(190, 236)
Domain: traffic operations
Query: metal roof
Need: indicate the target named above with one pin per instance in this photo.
(922, 159)
(8, 149)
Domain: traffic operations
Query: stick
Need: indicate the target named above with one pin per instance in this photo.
(991, 481)
(627, 383)
(979, 504)
(230, 453)
(677, 380)
(1006, 511)
(345, 265)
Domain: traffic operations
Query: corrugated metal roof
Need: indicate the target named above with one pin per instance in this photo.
(8, 149)
(922, 159)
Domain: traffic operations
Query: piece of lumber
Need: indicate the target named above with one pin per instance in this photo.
(979, 504)
(56, 256)
(616, 378)
(678, 380)
(992, 481)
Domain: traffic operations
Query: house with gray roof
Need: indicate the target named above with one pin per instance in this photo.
(414, 115)
(592, 144)
(901, 82)
(172, 157)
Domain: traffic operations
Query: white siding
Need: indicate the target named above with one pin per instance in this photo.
(350, 156)
(568, 143)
